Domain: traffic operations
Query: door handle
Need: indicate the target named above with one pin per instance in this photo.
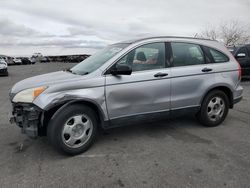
(206, 69)
(160, 74)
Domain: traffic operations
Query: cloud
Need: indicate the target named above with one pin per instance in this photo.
(95, 23)
(77, 31)
(9, 28)
(66, 43)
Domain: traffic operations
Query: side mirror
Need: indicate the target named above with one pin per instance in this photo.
(121, 70)
(241, 55)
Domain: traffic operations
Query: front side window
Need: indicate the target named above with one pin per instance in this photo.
(185, 54)
(218, 56)
(146, 57)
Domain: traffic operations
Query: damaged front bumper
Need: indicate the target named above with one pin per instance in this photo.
(27, 117)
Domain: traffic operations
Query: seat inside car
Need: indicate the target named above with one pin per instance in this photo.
(140, 56)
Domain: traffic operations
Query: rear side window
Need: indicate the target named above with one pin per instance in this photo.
(185, 54)
(218, 57)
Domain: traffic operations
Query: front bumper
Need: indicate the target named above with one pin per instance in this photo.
(237, 99)
(238, 94)
(27, 117)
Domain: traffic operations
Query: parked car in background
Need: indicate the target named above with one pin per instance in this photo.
(25, 61)
(128, 83)
(44, 60)
(17, 61)
(242, 54)
(3, 67)
(32, 60)
(8, 59)
(37, 57)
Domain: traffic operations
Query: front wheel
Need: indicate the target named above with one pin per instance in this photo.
(214, 109)
(73, 129)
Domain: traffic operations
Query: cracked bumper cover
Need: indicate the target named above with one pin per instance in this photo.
(27, 117)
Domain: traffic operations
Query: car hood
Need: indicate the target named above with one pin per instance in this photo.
(44, 80)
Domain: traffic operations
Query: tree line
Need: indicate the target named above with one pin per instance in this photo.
(231, 33)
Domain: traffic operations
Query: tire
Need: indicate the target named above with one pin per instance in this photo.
(214, 109)
(72, 129)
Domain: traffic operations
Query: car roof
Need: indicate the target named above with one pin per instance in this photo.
(163, 37)
(200, 41)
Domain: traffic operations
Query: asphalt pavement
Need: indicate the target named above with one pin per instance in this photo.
(174, 153)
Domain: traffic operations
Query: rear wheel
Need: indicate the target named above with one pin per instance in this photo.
(73, 129)
(214, 108)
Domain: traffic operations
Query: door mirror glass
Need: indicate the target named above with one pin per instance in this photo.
(121, 69)
(241, 55)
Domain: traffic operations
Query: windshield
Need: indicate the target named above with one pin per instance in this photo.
(95, 61)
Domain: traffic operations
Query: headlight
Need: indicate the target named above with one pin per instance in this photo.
(28, 95)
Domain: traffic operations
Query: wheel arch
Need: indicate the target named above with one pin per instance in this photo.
(223, 88)
(53, 110)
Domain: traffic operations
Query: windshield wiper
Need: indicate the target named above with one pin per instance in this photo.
(84, 73)
(69, 70)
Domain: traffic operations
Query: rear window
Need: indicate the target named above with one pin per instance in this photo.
(218, 57)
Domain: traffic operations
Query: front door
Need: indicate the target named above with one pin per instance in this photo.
(146, 91)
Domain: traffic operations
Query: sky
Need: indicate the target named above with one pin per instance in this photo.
(63, 27)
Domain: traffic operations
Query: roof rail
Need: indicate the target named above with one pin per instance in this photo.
(155, 37)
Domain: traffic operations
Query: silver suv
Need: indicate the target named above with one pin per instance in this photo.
(137, 80)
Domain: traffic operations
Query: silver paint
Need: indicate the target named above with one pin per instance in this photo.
(140, 92)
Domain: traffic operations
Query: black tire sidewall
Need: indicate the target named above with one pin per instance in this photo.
(203, 116)
(56, 125)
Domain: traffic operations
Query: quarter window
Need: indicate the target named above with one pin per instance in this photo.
(218, 56)
(146, 57)
(187, 54)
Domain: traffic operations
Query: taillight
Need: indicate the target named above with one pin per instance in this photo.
(239, 71)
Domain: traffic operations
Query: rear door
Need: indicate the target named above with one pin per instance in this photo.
(191, 75)
(146, 91)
